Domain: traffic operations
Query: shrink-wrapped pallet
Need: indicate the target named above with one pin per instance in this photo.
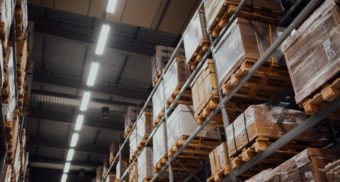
(120, 168)
(133, 142)
(129, 119)
(145, 169)
(219, 159)
(182, 123)
(160, 60)
(6, 18)
(263, 121)
(144, 126)
(158, 102)
(133, 176)
(159, 140)
(195, 38)
(312, 51)
(305, 166)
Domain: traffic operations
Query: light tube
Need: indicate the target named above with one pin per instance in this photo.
(111, 6)
(79, 122)
(85, 101)
(93, 74)
(74, 140)
(67, 167)
(70, 155)
(103, 36)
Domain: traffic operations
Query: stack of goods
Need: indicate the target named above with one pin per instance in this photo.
(133, 144)
(196, 40)
(158, 101)
(129, 119)
(6, 175)
(144, 128)
(159, 61)
(145, 171)
(113, 152)
(332, 171)
(312, 56)
(120, 168)
(218, 12)
(159, 141)
(133, 173)
(261, 177)
(260, 125)
(219, 162)
(174, 79)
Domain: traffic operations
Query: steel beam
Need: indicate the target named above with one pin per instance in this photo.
(43, 142)
(69, 119)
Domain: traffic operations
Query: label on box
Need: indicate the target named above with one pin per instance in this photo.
(329, 50)
(308, 174)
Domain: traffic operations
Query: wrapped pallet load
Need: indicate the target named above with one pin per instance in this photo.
(174, 79)
(133, 144)
(312, 56)
(113, 151)
(239, 48)
(259, 125)
(219, 162)
(218, 12)
(120, 168)
(158, 102)
(6, 18)
(8, 92)
(133, 176)
(6, 173)
(195, 39)
(159, 61)
(144, 127)
(159, 141)
(145, 171)
(129, 119)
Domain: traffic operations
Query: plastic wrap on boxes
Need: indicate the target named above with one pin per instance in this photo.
(120, 168)
(212, 10)
(261, 120)
(130, 117)
(158, 101)
(181, 122)
(174, 77)
(236, 44)
(9, 107)
(145, 168)
(312, 51)
(160, 60)
(261, 177)
(159, 140)
(305, 166)
(133, 173)
(6, 16)
(133, 141)
(144, 126)
(194, 35)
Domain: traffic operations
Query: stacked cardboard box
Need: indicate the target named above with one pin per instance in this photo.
(133, 143)
(158, 101)
(219, 160)
(129, 119)
(332, 171)
(133, 177)
(312, 55)
(159, 141)
(144, 127)
(159, 61)
(120, 168)
(145, 170)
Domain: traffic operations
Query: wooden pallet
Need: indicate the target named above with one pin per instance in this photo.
(158, 118)
(328, 93)
(155, 80)
(184, 99)
(189, 164)
(127, 131)
(199, 53)
(254, 13)
(218, 176)
(147, 179)
(140, 146)
(198, 148)
(209, 106)
(159, 165)
(268, 82)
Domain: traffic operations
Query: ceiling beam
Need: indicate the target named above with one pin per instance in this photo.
(82, 28)
(40, 76)
(50, 163)
(69, 119)
(43, 142)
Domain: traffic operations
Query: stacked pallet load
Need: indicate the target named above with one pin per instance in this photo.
(219, 163)
(6, 175)
(133, 176)
(260, 125)
(113, 151)
(180, 125)
(133, 145)
(238, 50)
(120, 168)
(332, 171)
(306, 166)
(159, 61)
(196, 40)
(159, 144)
(145, 171)
(312, 56)
(129, 119)
(158, 101)
(218, 12)
(261, 177)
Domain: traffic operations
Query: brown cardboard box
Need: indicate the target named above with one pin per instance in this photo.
(219, 159)
(312, 51)
(133, 174)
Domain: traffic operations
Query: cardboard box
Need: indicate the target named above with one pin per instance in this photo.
(159, 141)
(160, 60)
(9, 104)
(145, 168)
(6, 17)
(144, 126)
(219, 159)
(133, 142)
(158, 101)
(130, 117)
(312, 51)
(261, 177)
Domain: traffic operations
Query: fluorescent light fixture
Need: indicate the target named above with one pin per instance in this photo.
(111, 6)
(74, 140)
(67, 167)
(85, 101)
(64, 178)
(70, 155)
(79, 122)
(93, 74)
(103, 36)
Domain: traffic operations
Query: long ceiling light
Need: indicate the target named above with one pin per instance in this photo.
(67, 167)
(63, 178)
(111, 6)
(74, 140)
(85, 101)
(70, 155)
(93, 74)
(103, 36)
(79, 122)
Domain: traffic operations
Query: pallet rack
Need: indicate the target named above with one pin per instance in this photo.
(306, 124)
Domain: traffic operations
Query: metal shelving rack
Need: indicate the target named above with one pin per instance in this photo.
(306, 124)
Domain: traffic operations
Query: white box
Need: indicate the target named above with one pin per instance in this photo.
(144, 126)
(145, 168)
(158, 101)
(159, 141)
(130, 117)
(133, 141)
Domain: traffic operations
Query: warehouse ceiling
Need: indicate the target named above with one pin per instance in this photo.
(64, 41)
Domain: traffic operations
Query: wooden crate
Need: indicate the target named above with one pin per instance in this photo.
(196, 40)
(219, 163)
(312, 58)
(205, 91)
(253, 131)
(218, 12)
